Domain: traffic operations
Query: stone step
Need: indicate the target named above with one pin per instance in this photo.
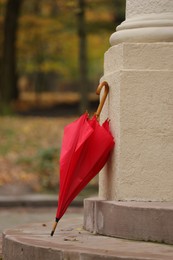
(71, 242)
(35, 200)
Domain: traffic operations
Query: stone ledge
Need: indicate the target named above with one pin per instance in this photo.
(73, 243)
(146, 221)
(34, 200)
(150, 56)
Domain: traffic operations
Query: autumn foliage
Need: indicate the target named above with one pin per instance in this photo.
(47, 40)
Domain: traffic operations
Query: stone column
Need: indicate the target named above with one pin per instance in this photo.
(146, 21)
(136, 186)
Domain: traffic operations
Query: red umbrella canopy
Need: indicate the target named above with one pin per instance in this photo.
(85, 149)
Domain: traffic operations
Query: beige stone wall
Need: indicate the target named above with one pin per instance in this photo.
(142, 7)
(140, 106)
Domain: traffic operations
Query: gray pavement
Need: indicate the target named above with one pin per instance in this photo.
(28, 210)
(16, 211)
(70, 241)
(34, 200)
(12, 217)
(22, 208)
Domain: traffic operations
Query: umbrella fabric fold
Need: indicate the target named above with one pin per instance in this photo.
(85, 149)
(87, 160)
(75, 136)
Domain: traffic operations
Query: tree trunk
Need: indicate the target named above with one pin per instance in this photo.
(83, 64)
(9, 90)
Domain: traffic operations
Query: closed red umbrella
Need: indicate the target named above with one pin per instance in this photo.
(85, 149)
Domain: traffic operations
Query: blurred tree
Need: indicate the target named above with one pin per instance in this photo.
(8, 73)
(51, 41)
(83, 60)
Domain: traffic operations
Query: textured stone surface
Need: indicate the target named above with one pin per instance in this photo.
(138, 7)
(146, 221)
(140, 107)
(12, 217)
(138, 56)
(33, 242)
(146, 21)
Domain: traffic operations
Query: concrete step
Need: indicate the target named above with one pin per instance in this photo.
(35, 200)
(71, 242)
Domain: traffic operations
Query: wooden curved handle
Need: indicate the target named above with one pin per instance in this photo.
(102, 101)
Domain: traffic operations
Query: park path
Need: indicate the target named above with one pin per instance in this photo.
(11, 217)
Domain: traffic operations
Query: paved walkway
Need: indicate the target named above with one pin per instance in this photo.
(32, 208)
(71, 242)
(69, 234)
(15, 216)
(34, 200)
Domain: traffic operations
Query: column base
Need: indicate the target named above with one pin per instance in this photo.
(145, 221)
(70, 241)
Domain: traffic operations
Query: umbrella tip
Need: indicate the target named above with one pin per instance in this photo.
(52, 233)
(53, 229)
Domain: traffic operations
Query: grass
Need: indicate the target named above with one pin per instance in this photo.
(45, 164)
(29, 152)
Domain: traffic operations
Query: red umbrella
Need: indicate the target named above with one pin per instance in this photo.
(85, 149)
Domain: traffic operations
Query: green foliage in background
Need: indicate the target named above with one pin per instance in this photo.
(47, 37)
(45, 164)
